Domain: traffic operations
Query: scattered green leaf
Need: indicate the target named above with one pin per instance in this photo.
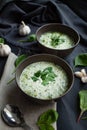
(30, 38)
(20, 59)
(46, 119)
(45, 127)
(83, 103)
(1, 41)
(16, 63)
(81, 60)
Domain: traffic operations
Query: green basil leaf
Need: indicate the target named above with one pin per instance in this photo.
(48, 78)
(45, 82)
(46, 75)
(38, 73)
(46, 127)
(1, 41)
(81, 60)
(83, 102)
(51, 76)
(55, 40)
(48, 69)
(20, 59)
(31, 38)
(34, 78)
(48, 117)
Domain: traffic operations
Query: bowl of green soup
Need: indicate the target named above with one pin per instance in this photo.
(58, 39)
(44, 77)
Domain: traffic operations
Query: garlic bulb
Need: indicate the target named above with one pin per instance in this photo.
(24, 29)
(5, 50)
(82, 75)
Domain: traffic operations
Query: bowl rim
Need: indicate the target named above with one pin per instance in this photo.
(44, 54)
(59, 24)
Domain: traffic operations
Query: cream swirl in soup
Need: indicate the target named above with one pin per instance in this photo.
(44, 80)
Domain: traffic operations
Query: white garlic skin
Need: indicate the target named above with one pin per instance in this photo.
(82, 75)
(78, 74)
(5, 50)
(84, 79)
(83, 72)
(24, 29)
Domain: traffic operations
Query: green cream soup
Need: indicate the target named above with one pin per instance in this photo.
(44, 80)
(56, 40)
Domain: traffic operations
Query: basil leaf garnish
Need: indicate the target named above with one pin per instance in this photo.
(47, 75)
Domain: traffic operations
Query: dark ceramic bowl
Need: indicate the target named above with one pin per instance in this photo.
(56, 27)
(50, 58)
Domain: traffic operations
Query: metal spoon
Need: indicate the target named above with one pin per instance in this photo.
(13, 117)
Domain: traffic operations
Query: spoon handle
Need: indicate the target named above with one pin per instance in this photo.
(26, 127)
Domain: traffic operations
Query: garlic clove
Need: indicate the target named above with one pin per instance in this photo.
(78, 74)
(5, 50)
(83, 72)
(1, 50)
(84, 79)
(24, 29)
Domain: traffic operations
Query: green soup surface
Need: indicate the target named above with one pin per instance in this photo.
(44, 80)
(56, 40)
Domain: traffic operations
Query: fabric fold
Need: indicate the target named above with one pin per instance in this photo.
(36, 14)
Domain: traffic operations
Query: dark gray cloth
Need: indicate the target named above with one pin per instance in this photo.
(37, 13)
(3, 3)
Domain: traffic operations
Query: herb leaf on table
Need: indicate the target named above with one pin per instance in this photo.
(46, 127)
(20, 59)
(30, 38)
(83, 103)
(1, 41)
(81, 60)
(46, 119)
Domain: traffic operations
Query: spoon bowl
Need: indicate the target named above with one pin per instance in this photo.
(13, 117)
